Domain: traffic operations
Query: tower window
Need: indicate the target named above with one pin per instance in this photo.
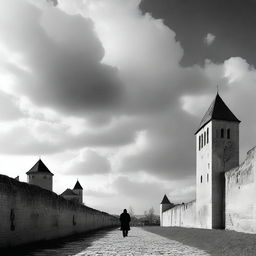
(207, 135)
(222, 133)
(228, 133)
(199, 143)
(204, 138)
(201, 179)
(207, 177)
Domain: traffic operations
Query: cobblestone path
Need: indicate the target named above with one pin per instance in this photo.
(139, 242)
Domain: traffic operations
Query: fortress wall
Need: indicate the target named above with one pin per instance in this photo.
(182, 215)
(240, 212)
(29, 213)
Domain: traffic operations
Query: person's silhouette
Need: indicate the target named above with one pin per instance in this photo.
(125, 222)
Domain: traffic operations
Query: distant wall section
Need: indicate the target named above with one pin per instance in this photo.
(183, 215)
(29, 213)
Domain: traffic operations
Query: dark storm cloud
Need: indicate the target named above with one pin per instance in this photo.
(64, 55)
(231, 21)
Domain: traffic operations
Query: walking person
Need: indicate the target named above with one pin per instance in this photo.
(125, 222)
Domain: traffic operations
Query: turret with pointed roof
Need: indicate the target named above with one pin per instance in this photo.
(165, 200)
(164, 206)
(78, 189)
(77, 185)
(40, 175)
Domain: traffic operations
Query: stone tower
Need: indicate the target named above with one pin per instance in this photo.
(78, 189)
(164, 205)
(40, 175)
(217, 150)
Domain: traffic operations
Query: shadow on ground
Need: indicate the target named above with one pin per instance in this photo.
(214, 242)
(59, 247)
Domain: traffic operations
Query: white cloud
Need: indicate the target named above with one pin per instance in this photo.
(237, 69)
(209, 39)
(194, 104)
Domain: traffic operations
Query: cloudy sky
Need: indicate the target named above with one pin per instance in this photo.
(110, 92)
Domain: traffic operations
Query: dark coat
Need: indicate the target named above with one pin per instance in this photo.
(125, 220)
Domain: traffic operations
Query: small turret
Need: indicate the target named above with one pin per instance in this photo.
(78, 189)
(40, 175)
(164, 205)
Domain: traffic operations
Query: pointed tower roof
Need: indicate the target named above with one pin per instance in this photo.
(218, 110)
(78, 186)
(165, 200)
(39, 167)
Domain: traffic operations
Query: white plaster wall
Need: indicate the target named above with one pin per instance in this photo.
(241, 196)
(204, 189)
(183, 215)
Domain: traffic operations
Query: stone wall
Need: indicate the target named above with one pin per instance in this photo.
(240, 212)
(29, 213)
(183, 215)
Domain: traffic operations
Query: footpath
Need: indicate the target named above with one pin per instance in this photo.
(146, 241)
(138, 243)
(213, 242)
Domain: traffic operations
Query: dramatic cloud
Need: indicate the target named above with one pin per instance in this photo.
(112, 95)
(231, 23)
(63, 56)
